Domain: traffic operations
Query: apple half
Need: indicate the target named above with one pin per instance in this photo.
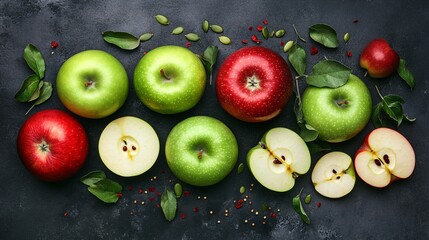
(128, 146)
(279, 158)
(333, 175)
(385, 156)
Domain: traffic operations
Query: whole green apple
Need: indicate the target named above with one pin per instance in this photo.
(201, 150)
(337, 114)
(169, 79)
(92, 84)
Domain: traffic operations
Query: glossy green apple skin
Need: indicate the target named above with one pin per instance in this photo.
(92, 84)
(201, 150)
(336, 123)
(180, 87)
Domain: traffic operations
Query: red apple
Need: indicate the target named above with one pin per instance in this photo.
(385, 156)
(379, 59)
(254, 84)
(52, 145)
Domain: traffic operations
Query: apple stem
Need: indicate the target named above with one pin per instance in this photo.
(200, 153)
(211, 78)
(164, 74)
(378, 91)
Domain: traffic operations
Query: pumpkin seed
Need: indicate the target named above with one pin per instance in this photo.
(346, 37)
(161, 19)
(216, 28)
(242, 189)
(145, 37)
(178, 190)
(177, 31)
(193, 37)
(225, 40)
(287, 46)
(240, 168)
(280, 33)
(205, 26)
(265, 32)
(272, 33)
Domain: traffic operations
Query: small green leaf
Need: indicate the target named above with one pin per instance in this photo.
(297, 58)
(265, 33)
(177, 31)
(168, 204)
(216, 28)
(240, 168)
(297, 206)
(376, 117)
(394, 110)
(36, 93)
(307, 199)
(29, 86)
(329, 73)
(146, 37)
(161, 19)
(45, 94)
(35, 60)
(225, 40)
(93, 177)
(406, 74)
(178, 190)
(280, 33)
(106, 190)
(324, 34)
(209, 60)
(193, 37)
(308, 135)
(122, 40)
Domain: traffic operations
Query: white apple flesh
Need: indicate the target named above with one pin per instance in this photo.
(333, 175)
(385, 156)
(279, 159)
(128, 146)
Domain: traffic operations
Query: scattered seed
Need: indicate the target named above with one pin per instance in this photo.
(193, 37)
(242, 189)
(225, 40)
(346, 37)
(253, 224)
(211, 212)
(287, 46)
(319, 204)
(161, 19)
(272, 33)
(142, 203)
(256, 213)
(146, 36)
(204, 197)
(178, 190)
(307, 199)
(377, 162)
(280, 33)
(218, 221)
(177, 31)
(386, 158)
(265, 32)
(205, 26)
(216, 28)
(246, 221)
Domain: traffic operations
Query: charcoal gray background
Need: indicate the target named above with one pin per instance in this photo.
(31, 209)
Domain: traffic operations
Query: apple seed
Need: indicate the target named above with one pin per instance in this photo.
(386, 158)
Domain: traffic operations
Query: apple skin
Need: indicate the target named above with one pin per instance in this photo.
(338, 114)
(379, 59)
(201, 150)
(377, 144)
(52, 145)
(169, 79)
(92, 84)
(254, 84)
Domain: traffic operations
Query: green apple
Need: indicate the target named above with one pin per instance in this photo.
(169, 79)
(279, 158)
(333, 175)
(201, 150)
(128, 146)
(337, 114)
(92, 84)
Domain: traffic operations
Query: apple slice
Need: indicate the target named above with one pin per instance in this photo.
(333, 175)
(385, 156)
(279, 158)
(128, 146)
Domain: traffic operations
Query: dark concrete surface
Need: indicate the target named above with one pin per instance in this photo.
(31, 209)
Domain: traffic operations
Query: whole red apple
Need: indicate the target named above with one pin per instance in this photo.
(254, 84)
(379, 59)
(52, 145)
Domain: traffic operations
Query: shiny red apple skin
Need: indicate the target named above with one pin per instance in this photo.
(52, 145)
(379, 59)
(272, 84)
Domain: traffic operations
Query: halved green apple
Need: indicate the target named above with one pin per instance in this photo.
(128, 146)
(279, 158)
(333, 175)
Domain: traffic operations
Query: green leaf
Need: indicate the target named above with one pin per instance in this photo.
(394, 110)
(93, 177)
(122, 40)
(35, 60)
(106, 190)
(45, 94)
(406, 74)
(297, 206)
(29, 86)
(308, 135)
(168, 204)
(389, 99)
(376, 117)
(297, 58)
(329, 73)
(297, 107)
(209, 60)
(318, 147)
(36, 93)
(324, 34)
